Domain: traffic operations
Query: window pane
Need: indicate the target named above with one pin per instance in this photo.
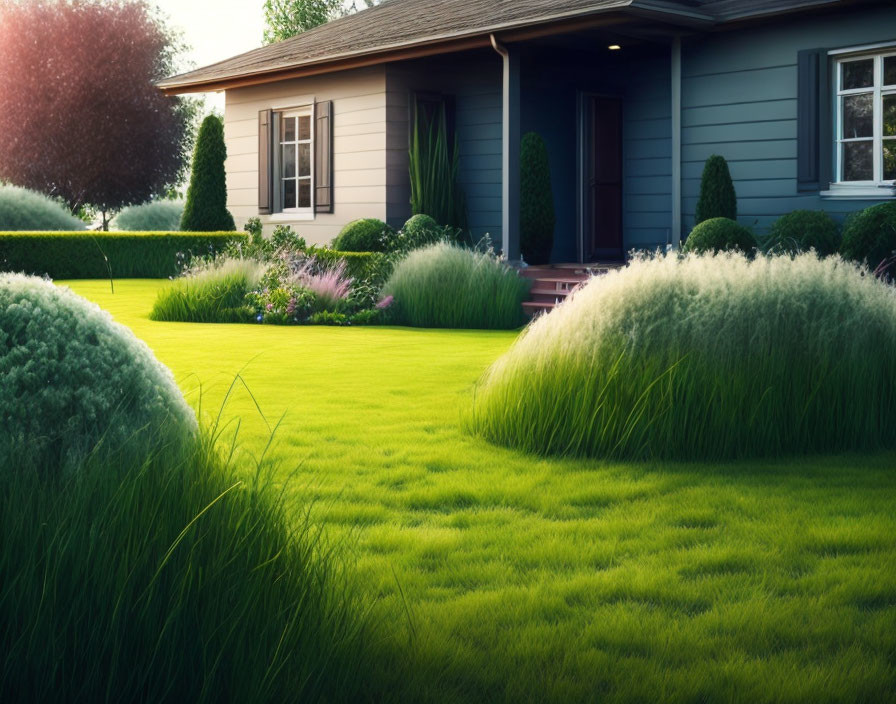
(890, 70)
(304, 160)
(889, 159)
(858, 161)
(289, 193)
(305, 127)
(858, 116)
(289, 129)
(305, 193)
(890, 116)
(857, 74)
(288, 160)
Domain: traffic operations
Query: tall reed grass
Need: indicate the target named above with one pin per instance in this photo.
(166, 578)
(446, 286)
(703, 357)
(213, 293)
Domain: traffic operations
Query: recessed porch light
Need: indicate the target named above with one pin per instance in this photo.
(614, 47)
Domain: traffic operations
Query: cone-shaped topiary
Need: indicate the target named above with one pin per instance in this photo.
(76, 382)
(703, 358)
(537, 218)
(869, 236)
(206, 207)
(717, 197)
(803, 230)
(719, 235)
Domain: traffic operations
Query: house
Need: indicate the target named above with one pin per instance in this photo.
(631, 97)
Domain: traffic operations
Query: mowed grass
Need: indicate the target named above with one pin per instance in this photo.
(504, 577)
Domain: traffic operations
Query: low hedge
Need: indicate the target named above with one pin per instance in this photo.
(80, 255)
(361, 266)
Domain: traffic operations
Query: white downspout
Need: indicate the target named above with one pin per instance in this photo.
(505, 147)
(676, 141)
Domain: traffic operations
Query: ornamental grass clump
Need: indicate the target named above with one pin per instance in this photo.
(703, 358)
(446, 286)
(75, 382)
(171, 577)
(210, 293)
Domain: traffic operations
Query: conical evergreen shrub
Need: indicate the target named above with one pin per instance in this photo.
(717, 196)
(537, 217)
(206, 207)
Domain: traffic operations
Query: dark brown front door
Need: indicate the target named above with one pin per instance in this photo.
(603, 185)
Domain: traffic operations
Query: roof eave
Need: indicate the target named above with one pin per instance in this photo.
(442, 45)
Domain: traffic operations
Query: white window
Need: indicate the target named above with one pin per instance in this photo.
(866, 119)
(296, 177)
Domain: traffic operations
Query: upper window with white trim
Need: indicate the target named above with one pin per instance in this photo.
(866, 119)
(296, 162)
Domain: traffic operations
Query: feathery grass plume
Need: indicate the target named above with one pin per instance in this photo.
(209, 293)
(165, 577)
(21, 209)
(447, 286)
(328, 282)
(76, 382)
(155, 216)
(703, 357)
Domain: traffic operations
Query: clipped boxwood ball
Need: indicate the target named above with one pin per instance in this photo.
(869, 236)
(719, 235)
(74, 379)
(365, 235)
(420, 224)
(803, 230)
(703, 358)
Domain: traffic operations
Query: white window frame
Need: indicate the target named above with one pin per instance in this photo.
(877, 91)
(301, 111)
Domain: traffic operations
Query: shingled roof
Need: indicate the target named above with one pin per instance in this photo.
(407, 24)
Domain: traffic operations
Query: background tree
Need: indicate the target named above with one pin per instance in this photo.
(287, 18)
(206, 206)
(80, 117)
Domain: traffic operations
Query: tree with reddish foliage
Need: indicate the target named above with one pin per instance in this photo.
(80, 116)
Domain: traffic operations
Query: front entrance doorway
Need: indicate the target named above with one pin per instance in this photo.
(601, 178)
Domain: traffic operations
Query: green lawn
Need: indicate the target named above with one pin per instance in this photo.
(539, 580)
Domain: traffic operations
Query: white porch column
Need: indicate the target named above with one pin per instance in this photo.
(675, 63)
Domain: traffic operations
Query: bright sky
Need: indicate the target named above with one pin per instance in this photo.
(216, 30)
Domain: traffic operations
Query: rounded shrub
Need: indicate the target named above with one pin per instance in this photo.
(24, 210)
(447, 286)
(719, 235)
(803, 230)
(365, 235)
(74, 381)
(157, 216)
(420, 225)
(703, 358)
(869, 236)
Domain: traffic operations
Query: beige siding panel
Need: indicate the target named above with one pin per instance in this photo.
(359, 147)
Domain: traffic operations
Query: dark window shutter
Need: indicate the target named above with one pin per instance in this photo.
(815, 139)
(323, 157)
(265, 163)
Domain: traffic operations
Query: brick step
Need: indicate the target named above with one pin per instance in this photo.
(549, 295)
(533, 308)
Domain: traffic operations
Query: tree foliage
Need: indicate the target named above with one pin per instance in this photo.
(287, 18)
(206, 207)
(80, 115)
